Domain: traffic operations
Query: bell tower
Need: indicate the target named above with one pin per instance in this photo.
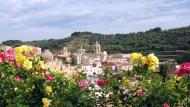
(64, 51)
(97, 48)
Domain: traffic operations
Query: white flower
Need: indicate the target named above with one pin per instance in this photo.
(16, 88)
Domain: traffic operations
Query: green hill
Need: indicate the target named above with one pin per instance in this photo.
(153, 40)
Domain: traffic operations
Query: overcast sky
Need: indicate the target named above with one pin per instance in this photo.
(45, 19)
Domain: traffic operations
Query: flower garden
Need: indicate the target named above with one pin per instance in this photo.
(25, 82)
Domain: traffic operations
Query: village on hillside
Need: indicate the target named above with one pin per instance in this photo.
(90, 64)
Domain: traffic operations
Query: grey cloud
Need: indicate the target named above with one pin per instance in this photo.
(59, 18)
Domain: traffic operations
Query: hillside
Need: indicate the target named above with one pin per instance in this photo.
(153, 40)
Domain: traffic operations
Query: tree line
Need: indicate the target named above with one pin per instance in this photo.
(154, 39)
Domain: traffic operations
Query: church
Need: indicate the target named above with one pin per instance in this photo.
(96, 58)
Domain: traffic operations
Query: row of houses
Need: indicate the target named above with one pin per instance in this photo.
(92, 64)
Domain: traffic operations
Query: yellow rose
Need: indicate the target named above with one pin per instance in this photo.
(126, 82)
(46, 102)
(18, 50)
(48, 90)
(135, 56)
(27, 64)
(21, 49)
(143, 60)
(41, 64)
(20, 59)
(25, 48)
(152, 67)
(152, 59)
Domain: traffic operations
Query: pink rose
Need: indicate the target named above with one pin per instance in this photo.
(48, 77)
(180, 73)
(166, 104)
(185, 66)
(10, 52)
(11, 59)
(184, 69)
(3, 56)
(17, 78)
(18, 65)
(140, 93)
(83, 84)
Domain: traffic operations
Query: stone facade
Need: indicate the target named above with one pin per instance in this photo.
(97, 48)
(5, 47)
(119, 62)
(64, 54)
(82, 58)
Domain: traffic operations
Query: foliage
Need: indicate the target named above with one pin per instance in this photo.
(25, 82)
(152, 40)
(64, 61)
(144, 87)
(13, 43)
(33, 85)
(184, 57)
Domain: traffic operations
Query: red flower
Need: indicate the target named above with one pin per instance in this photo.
(166, 104)
(180, 73)
(100, 83)
(40, 70)
(184, 69)
(140, 93)
(11, 59)
(48, 77)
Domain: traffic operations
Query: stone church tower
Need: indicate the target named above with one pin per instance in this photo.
(64, 51)
(97, 48)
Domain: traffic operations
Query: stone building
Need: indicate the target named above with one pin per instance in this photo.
(64, 54)
(83, 58)
(77, 58)
(97, 48)
(119, 62)
(5, 47)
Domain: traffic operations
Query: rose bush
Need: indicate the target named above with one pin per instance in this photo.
(25, 81)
